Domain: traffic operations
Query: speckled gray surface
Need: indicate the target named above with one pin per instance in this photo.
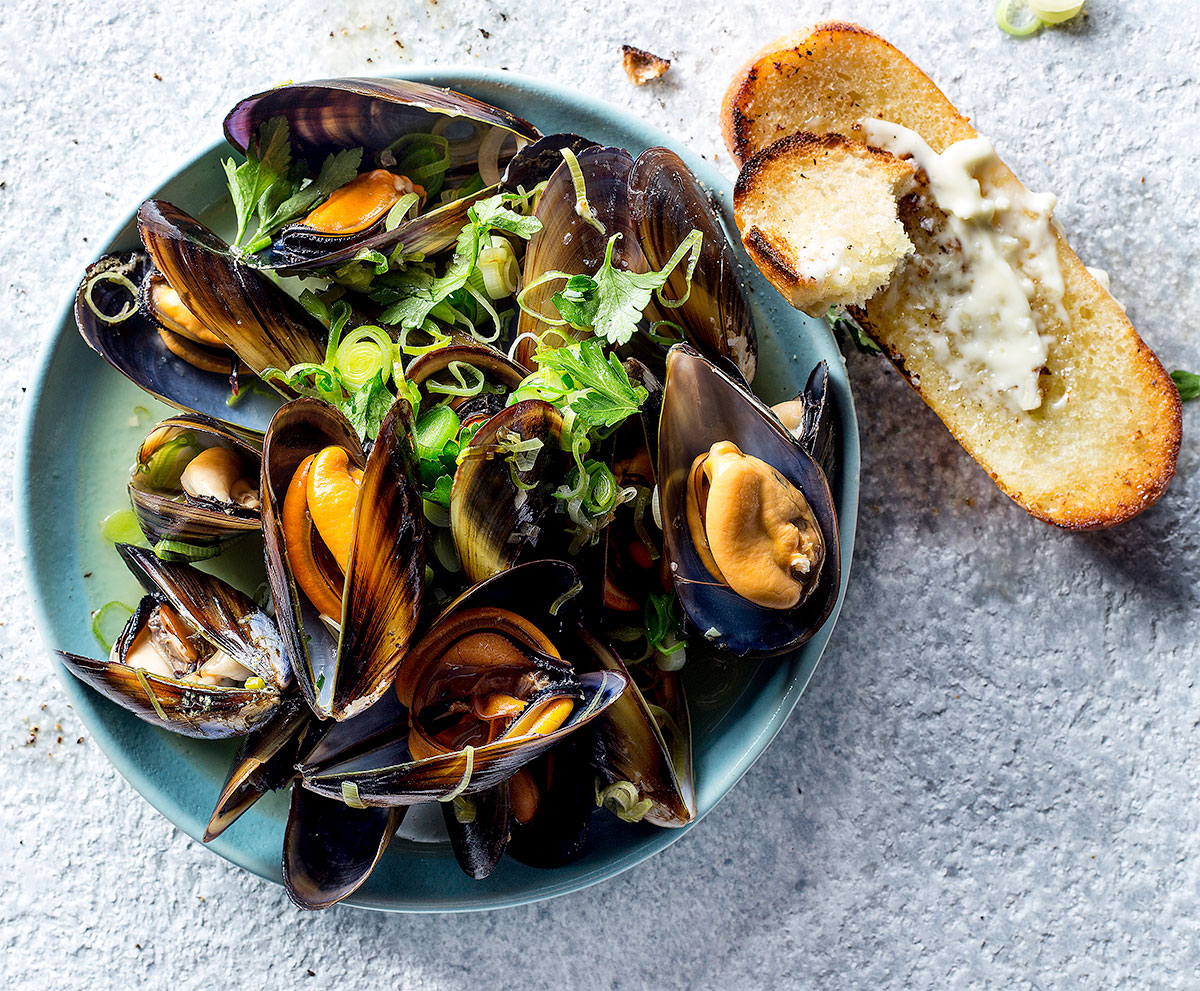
(994, 778)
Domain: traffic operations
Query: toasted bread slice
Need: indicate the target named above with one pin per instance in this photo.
(818, 214)
(1102, 445)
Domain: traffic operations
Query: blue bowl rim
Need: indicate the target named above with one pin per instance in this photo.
(149, 788)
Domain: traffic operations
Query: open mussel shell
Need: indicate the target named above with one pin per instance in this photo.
(327, 115)
(329, 850)
(219, 614)
(298, 249)
(344, 673)
(703, 405)
(666, 202)
(387, 775)
(650, 748)
(500, 500)
(266, 761)
(165, 511)
(136, 349)
(568, 243)
(255, 318)
(809, 418)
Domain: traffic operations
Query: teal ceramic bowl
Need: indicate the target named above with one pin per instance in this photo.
(84, 422)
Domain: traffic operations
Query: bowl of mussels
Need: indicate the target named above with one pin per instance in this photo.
(457, 515)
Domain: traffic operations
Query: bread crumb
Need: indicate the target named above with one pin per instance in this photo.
(642, 66)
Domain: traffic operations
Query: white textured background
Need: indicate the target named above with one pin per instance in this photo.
(994, 778)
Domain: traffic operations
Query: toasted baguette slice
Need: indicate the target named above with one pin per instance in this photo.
(1103, 444)
(818, 214)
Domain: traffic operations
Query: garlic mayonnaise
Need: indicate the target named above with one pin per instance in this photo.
(999, 254)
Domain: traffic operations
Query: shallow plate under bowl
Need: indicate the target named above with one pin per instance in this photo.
(84, 421)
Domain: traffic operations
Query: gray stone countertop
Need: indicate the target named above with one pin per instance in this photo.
(994, 778)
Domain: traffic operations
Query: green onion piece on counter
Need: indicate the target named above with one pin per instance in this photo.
(362, 354)
(122, 527)
(1016, 18)
(112, 616)
(435, 429)
(1188, 384)
(180, 550)
(1055, 11)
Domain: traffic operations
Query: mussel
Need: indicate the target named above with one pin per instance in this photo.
(486, 690)
(345, 550)
(197, 656)
(749, 524)
(111, 311)
(412, 136)
(194, 487)
(503, 486)
(652, 203)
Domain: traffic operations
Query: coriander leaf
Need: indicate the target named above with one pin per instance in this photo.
(602, 394)
(339, 169)
(268, 159)
(576, 302)
(367, 407)
(1188, 384)
(620, 296)
(410, 298)
(846, 324)
(440, 492)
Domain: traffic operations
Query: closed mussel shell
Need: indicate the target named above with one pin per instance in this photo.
(632, 744)
(501, 495)
(135, 348)
(165, 511)
(220, 615)
(347, 662)
(702, 405)
(666, 202)
(387, 774)
(568, 243)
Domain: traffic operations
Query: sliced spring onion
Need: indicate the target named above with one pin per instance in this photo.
(623, 800)
(582, 206)
(128, 310)
(674, 332)
(489, 155)
(180, 550)
(498, 266)
(435, 429)
(165, 466)
(362, 354)
(439, 340)
(468, 381)
(1016, 18)
(106, 619)
(122, 527)
(399, 212)
(1055, 11)
(566, 597)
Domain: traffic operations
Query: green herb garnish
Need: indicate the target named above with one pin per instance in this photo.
(1188, 384)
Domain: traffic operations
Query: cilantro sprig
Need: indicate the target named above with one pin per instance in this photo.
(612, 302)
(580, 377)
(1188, 384)
(271, 185)
(412, 294)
